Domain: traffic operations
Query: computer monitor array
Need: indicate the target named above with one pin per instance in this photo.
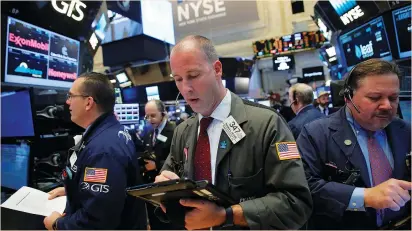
(16, 114)
(127, 113)
(15, 165)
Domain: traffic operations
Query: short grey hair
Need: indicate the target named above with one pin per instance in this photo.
(303, 93)
(205, 45)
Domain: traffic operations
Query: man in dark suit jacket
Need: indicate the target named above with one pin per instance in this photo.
(323, 104)
(301, 96)
(158, 141)
(356, 159)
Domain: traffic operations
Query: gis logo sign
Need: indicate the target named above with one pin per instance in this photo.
(364, 51)
(72, 9)
(97, 188)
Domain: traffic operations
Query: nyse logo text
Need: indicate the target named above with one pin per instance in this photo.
(352, 15)
(186, 11)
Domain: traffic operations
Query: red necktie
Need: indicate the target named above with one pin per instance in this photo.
(380, 168)
(203, 168)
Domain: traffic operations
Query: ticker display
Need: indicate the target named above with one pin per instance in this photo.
(289, 43)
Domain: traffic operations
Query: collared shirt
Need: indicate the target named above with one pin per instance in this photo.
(322, 109)
(214, 130)
(87, 129)
(161, 126)
(159, 130)
(302, 109)
(357, 200)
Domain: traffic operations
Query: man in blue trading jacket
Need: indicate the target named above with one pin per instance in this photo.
(301, 98)
(100, 166)
(356, 159)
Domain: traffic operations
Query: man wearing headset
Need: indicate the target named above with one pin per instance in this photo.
(355, 159)
(101, 165)
(157, 141)
(301, 98)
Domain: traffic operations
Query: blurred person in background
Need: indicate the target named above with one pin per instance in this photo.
(301, 98)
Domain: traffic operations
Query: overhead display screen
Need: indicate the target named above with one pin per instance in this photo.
(283, 62)
(402, 23)
(35, 56)
(151, 10)
(366, 42)
(289, 43)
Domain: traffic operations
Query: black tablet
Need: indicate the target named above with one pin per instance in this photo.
(174, 190)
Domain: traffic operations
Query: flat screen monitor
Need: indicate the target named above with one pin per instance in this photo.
(365, 42)
(264, 102)
(151, 22)
(127, 113)
(402, 24)
(100, 26)
(15, 165)
(130, 95)
(120, 28)
(405, 106)
(122, 77)
(35, 56)
(283, 62)
(314, 73)
(16, 114)
(152, 93)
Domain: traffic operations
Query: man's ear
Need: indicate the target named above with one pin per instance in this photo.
(218, 69)
(90, 103)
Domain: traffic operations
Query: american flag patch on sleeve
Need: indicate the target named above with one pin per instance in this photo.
(96, 175)
(287, 150)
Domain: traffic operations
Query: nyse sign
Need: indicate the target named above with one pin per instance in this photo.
(202, 16)
(352, 15)
(72, 9)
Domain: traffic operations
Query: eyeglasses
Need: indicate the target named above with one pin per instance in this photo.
(70, 96)
(149, 117)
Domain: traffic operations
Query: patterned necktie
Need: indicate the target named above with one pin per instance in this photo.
(156, 132)
(203, 168)
(380, 168)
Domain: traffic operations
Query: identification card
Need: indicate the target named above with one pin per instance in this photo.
(161, 138)
(233, 130)
(73, 159)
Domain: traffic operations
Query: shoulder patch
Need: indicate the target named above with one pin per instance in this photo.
(95, 175)
(287, 150)
(125, 133)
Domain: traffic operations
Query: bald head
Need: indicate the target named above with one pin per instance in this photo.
(197, 42)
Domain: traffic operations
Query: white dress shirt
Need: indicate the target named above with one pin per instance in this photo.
(159, 130)
(322, 110)
(215, 128)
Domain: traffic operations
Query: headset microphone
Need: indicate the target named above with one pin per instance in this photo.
(177, 102)
(354, 105)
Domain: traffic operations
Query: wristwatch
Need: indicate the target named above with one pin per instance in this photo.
(229, 218)
(54, 225)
